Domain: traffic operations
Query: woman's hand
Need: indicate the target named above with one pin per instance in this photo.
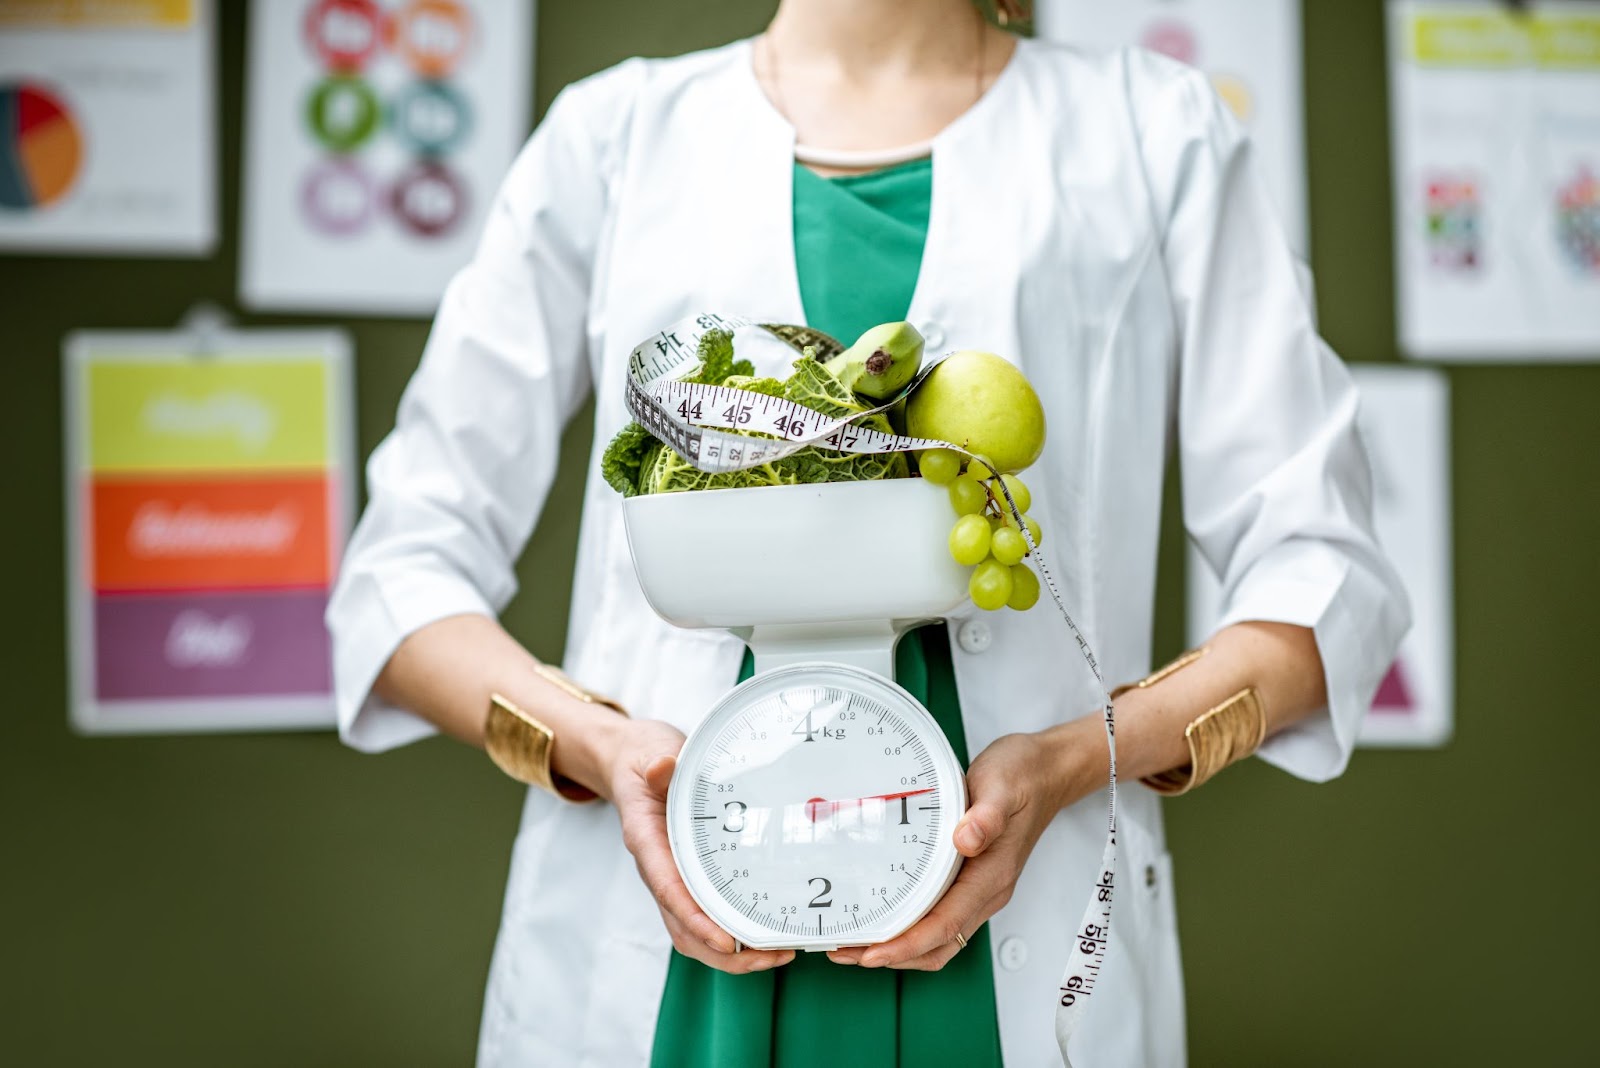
(1016, 787)
(640, 771)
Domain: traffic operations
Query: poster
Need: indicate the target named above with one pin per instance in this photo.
(107, 111)
(377, 135)
(1405, 422)
(1495, 123)
(210, 486)
(1249, 48)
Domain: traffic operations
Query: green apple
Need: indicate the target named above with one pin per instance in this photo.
(982, 403)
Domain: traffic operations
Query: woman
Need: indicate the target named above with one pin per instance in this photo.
(1096, 218)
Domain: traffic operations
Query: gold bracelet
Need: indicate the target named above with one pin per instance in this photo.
(523, 747)
(1218, 737)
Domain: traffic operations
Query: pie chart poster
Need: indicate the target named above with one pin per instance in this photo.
(106, 116)
(1405, 424)
(378, 132)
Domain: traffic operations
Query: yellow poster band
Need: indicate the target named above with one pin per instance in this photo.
(1549, 40)
(195, 415)
(95, 14)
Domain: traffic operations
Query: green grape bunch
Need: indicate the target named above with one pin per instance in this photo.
(985, 536)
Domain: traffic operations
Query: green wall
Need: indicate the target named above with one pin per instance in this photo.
(276, 899)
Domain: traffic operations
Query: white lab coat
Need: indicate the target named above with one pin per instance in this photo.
(1097, 218)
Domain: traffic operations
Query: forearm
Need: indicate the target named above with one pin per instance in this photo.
(1280, 660)
(446, 671)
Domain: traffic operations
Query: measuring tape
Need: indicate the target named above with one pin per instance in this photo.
(697, 421)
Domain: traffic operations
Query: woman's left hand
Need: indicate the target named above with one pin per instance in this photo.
(1015, 787)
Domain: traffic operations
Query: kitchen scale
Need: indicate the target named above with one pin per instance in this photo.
(813, 807)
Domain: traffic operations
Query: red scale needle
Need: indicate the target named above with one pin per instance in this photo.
(817, 806)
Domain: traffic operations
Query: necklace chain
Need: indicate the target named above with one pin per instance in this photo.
(775, 86)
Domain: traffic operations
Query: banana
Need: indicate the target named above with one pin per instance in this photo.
(882, 362)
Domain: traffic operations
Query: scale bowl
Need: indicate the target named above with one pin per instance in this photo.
(833, 552)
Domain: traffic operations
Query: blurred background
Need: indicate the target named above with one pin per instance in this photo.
(273, 898)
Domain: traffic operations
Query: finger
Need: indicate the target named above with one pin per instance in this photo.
(982, 825)
(935, 959)
(645, 834)
(930, 962)
(657, 776)
(740, 963)
(981, 882)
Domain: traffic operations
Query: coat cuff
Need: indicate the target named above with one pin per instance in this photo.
(1357, 623)
(372, 615)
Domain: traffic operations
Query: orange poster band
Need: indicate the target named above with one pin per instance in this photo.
(198, 533)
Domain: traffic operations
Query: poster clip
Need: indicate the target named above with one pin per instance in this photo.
(205, 323)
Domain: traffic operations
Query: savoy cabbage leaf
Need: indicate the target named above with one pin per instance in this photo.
(635, 462)
(630, 451)
(717, 364)
(625, 457)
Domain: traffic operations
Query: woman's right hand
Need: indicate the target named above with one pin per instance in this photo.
(640, 770)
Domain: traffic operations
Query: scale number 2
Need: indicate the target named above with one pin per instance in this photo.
(822, 900)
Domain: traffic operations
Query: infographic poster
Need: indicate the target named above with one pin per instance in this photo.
(1250, 49)
(1495, 122)
(377, 136)
(1405, 423)
(210, 487)
(106, 127)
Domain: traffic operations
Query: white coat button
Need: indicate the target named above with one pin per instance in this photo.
(1013, 954)
(932, 335)
(974, 636)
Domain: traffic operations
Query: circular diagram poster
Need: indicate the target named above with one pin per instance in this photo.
(378, 132)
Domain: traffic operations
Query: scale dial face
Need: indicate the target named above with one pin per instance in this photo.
(813, 809)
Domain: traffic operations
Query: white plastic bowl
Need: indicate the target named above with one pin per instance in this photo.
(835, 552)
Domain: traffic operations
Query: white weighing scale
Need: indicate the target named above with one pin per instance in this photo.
(814, 805)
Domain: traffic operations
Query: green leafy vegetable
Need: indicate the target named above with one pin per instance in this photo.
(635, 462)
(772, 387)
(629, 452)
(625, 457)
(717, 364)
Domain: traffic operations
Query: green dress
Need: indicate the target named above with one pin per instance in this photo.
(858, 248)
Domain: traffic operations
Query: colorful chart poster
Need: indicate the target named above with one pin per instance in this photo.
(378, 134)
(106, 117)
(1495, 122)
(1249, 48)
(210, 487)
(1405, 422)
